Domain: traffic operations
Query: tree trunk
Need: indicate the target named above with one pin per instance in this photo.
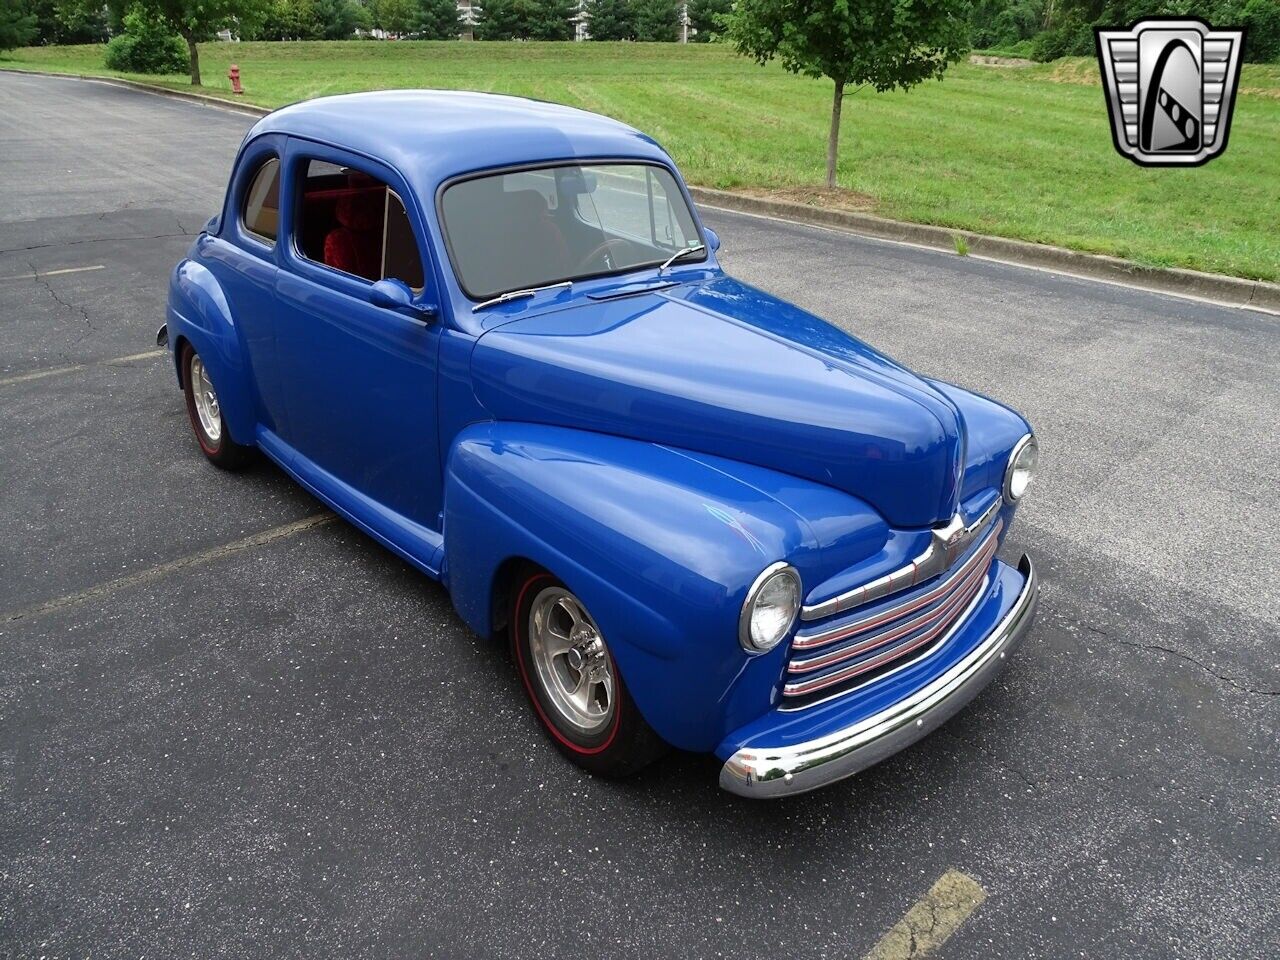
(194, 54)
(833, 141)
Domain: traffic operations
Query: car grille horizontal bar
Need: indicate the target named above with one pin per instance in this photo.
(843, 631)
(949, 543)
(848, 652)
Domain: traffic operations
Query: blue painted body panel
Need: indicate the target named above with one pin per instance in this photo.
(653, 441)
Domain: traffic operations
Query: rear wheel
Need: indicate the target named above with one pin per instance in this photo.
(205, 414)
(573, 682)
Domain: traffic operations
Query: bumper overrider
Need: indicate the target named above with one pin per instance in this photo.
(799, 767)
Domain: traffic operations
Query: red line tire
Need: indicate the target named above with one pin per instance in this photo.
(214, 438)
(623, 743)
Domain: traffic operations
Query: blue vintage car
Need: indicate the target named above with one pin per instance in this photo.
(493, 334)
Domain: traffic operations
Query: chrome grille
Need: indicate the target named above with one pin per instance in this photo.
(847, 652)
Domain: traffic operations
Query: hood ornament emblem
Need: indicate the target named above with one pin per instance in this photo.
(947, 543)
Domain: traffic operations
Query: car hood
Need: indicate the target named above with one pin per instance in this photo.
(723, 368)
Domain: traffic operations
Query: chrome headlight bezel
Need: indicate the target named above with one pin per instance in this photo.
(767, 576)
(1029, 448)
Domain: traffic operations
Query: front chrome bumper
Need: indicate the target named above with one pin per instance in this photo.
(799, 767)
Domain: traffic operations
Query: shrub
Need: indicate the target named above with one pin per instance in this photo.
(146, 46)
(1262, 18)
(1069, 39)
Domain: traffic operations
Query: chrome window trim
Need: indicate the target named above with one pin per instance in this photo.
(744, 616)
(1006, 485)
(949, 541)
(247, 230)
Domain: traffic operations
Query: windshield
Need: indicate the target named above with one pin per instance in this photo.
(532, 228)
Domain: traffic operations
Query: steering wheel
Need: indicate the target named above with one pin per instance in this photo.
(601, 249)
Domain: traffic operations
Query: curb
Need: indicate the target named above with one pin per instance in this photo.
(201, 98)
(1258, 295)
(1230, 291)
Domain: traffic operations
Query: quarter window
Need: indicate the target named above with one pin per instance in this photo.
(262, 202)
(352, 222)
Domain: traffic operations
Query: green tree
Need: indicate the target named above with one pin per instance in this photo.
(1262, 19)
(611, 20)
(438, 20)
(289, 20)
(337, 19)
(193, 20)
(706, 19)
(18, 25)
(656, 20)
(997, 23)
(51, 28)
(395, 16)
(884, 44)
(526, 20)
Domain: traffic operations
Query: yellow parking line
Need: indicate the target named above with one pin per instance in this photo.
(55, 273)
(145, 355)
(40, 374)
(151, 574)
(932, 919)
(58, 371)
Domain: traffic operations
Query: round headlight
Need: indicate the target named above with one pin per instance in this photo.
(1021, 469)
(771, 607)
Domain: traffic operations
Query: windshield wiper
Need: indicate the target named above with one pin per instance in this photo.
(520, 294)
(678, 254)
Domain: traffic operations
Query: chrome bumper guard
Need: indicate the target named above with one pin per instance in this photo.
(797, 768)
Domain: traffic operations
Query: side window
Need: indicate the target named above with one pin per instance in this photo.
(355, 223)
(261, 213)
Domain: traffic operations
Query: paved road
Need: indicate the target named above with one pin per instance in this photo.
(294, 748)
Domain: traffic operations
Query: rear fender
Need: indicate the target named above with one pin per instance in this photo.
(661, 547)
(199, 313)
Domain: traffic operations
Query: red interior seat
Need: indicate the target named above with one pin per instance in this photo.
(355, 244)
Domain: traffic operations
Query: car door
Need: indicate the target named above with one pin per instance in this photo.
(360, 378)
(244, 258)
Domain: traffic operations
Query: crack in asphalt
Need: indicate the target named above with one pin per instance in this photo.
(932, 919)
(72, 243)
(44, 283)
(1158, 648)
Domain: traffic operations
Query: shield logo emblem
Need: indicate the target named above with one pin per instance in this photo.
(1171, 86)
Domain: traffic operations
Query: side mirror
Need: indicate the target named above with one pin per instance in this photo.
(713, 238)
(395, 295)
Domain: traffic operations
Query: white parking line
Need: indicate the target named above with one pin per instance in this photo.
(72, 368)
(54, 273)
(152, 574)
(933, 918)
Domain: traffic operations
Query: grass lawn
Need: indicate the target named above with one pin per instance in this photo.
(1014, 151)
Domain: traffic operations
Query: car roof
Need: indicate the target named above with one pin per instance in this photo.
(432, 135)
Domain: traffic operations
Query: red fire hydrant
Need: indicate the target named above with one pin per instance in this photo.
(234, 76)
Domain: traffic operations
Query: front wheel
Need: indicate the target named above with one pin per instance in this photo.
(572, 681)
(205, 414)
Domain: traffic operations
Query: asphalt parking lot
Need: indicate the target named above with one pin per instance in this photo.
(231, 727)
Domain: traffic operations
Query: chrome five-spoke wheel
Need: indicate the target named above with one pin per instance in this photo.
(573, 681)
(572, 662)
(205, 413)
(206, 401)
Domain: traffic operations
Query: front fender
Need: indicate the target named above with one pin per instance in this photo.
(198, 311)
(660, 546)
(992, 430)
